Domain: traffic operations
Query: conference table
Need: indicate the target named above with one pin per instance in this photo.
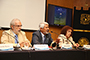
(57, 54)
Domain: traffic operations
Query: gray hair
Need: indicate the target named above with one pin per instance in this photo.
(13, 21)
(41, 25)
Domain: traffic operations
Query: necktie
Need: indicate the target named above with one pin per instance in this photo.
(44, 38)
(16, 38)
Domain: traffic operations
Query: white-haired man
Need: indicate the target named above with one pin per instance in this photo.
(42, 36)
(15, 35)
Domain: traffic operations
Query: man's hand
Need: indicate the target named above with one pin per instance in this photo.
(22, 44)
(26, 44)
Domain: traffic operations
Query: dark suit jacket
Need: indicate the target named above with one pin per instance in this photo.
(37, 38)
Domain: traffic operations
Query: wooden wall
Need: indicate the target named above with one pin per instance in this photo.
(63, 3)
(82, 3)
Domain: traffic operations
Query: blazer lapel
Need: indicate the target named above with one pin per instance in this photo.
(40, 37)
(13, 37)
(46, 38)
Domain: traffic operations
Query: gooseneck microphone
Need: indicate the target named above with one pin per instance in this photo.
(72, 44)
(55, 44)
(12, 36)
(80, 48)
(54, 32)
(17, 47)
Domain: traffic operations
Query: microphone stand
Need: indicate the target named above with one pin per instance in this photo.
(80, 48)
(54, 32)
(17, 47)
(72, 44)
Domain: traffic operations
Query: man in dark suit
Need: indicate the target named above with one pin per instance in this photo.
(42, 36)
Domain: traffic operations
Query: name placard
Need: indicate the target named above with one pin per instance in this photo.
(41, 47)
(86, 46)
(6, 47)
(66, 46)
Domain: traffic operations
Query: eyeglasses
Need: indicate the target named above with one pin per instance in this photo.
(18, 25)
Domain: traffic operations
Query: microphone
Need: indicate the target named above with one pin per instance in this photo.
(12, 36)
(17, 47)
(55, 44)
(76, 47)
(72, 44)
(54, 32)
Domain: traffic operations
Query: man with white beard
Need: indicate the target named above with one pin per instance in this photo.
(42, 36)
(15, 35)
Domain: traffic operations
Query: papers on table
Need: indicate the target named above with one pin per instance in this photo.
(66, 46)
(6, 47)
(86, 46)
(41, 47)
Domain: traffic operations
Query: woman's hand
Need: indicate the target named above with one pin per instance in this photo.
(77, 45)
(22, 44)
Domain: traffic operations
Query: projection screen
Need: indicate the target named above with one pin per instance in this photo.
(30, 12)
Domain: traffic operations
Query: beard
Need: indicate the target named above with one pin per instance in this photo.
(17, 31)
(47, 32)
